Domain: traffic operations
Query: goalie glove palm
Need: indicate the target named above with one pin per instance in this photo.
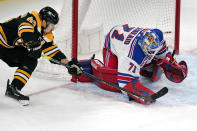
(175, 72)
(74, 67)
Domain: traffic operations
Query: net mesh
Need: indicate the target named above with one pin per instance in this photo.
(97, 17)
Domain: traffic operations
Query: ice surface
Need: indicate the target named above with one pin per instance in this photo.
(65, 106)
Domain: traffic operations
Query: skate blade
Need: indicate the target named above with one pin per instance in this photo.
(21, 102)
(24, 102)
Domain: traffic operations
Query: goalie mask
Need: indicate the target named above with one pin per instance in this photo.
(150, 43)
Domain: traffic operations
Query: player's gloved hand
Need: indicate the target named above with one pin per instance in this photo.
(169, 60)
(174, 71)
(74, 67)
(35, 51)
(32, 44)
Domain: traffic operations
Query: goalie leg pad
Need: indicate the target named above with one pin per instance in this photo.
(105, 73)
(86, 65)
(109, 59)
(136, 87)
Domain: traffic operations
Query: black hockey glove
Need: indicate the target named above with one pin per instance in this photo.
(74, 67)
(35, 51)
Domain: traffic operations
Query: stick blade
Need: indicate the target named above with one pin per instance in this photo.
(157, 95)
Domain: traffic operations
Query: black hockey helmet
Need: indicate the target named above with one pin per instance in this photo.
(49, 14)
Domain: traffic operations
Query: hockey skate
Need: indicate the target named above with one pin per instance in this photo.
(12, 92)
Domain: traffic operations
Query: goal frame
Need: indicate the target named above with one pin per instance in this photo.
(75, 27)
(177, 26)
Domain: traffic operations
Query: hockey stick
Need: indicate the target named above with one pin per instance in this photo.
(146, 99)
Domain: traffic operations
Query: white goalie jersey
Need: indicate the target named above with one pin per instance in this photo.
(135, 47)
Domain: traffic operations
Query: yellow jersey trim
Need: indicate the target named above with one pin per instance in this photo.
(38, 20)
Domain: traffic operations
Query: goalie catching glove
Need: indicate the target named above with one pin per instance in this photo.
(175, 72)
(74, 67)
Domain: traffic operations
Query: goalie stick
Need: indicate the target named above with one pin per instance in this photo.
(146, 99)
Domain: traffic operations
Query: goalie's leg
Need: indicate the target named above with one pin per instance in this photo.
(136, 87)
(109, 59)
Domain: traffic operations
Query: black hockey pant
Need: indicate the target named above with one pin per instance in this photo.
(18, 57)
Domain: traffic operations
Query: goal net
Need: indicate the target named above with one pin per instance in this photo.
(97, 17)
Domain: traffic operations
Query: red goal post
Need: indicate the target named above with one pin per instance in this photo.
(177, 26)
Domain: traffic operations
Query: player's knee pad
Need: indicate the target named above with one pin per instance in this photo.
(136, 87)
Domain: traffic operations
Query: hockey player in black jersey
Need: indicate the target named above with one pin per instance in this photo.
(22, 40)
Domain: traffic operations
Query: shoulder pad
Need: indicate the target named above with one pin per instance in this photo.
(37, 20)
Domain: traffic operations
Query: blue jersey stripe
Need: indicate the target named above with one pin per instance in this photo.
(127, 75)
(138, 54)
(123, 82)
